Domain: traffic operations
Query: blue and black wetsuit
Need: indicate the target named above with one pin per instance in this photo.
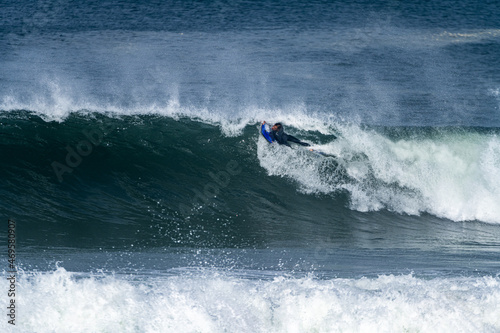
(282, 138)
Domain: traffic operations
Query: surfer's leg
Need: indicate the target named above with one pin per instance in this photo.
(294, 139)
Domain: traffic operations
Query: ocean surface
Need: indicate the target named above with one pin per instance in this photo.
(145, 200)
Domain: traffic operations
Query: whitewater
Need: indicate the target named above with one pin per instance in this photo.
(215, 302)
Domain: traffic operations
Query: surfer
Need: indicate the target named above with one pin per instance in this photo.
(278, 134)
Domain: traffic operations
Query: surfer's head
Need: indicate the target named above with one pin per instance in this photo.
(276, 127)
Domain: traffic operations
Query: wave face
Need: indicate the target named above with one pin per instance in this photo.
(191, 181)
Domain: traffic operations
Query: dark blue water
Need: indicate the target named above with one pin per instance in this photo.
(145, 198)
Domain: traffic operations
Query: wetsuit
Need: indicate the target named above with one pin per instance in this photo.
(282, 138)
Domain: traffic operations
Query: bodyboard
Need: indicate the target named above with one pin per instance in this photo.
(265, 130)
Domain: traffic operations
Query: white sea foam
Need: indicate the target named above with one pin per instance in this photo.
(455, 175)
(218, 302)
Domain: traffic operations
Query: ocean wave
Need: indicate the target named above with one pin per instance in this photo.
(451, 173)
